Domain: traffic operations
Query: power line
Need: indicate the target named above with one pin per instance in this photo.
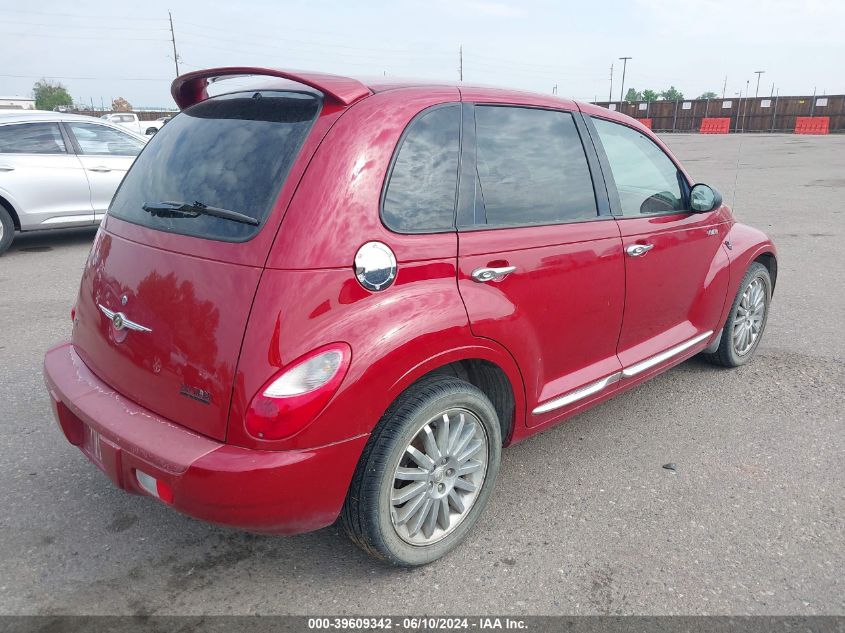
(85, 27)
(317, 45)
(86, 78)
(89, 17)
(88, 37)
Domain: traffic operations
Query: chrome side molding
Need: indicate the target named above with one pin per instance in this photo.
(577, 394)
(648, 363)
(628, 372)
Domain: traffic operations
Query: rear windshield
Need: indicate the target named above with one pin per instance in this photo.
(229, 152)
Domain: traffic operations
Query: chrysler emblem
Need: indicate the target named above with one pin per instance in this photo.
(120, 322)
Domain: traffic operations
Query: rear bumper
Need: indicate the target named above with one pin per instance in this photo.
(281, 492)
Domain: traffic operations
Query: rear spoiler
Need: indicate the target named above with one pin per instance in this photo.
(191, 88)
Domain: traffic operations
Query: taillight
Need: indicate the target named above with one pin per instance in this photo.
(73, 313)
(288, 402)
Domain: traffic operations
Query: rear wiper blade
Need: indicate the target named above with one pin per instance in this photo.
(195, 209)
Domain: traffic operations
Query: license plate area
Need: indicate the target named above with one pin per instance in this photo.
(92, 446)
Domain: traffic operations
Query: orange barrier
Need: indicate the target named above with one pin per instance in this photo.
(812, 125)
(646, 122)
(721, 125)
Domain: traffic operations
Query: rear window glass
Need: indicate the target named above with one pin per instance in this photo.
(229, 152)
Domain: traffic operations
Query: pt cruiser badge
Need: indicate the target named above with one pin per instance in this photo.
(120, 322)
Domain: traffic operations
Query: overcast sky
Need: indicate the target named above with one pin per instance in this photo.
(109, 49)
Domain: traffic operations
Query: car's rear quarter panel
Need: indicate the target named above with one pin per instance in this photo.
(308, 295)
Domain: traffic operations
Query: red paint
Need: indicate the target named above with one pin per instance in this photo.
(227, 319)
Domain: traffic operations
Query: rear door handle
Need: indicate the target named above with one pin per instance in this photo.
(638, 250)
(483, 275)
(6, 168)
(100, 169)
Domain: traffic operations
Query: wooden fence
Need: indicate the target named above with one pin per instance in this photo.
(761, 114)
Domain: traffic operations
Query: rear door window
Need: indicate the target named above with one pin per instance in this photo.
(101, 140)
(532, 168)
(230, 152)
(31, 138)
(421, 190)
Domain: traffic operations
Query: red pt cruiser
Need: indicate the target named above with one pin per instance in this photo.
(313, 298)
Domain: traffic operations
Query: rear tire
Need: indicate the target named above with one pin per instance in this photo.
(426, 473)
(7, 230)
(746, 320)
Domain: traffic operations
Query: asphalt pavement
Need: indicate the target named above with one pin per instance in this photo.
(584, 518)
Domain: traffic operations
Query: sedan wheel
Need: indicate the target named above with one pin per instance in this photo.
(7, 230)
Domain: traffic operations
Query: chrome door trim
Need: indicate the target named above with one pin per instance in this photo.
(628, 372)
(577, 394)
(648, 363)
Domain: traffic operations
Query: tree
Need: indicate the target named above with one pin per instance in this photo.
(49, 95)
(673, 94)
(707, 95)
(649, 95)
(121, 105)
(633, 95)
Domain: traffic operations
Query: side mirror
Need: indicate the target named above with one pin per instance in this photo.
(704, 198)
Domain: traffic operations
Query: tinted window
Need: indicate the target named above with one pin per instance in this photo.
(102, 140)
(531, 167)
(421, 193)
(31, 138)
(647, 180)
(231, 151)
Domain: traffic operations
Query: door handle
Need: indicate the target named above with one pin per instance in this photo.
(99, 169)
(6, 168)
(638, 250)
(483, 275)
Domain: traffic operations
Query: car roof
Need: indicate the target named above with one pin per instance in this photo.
(9, 116)
(193, 87)
(28, 116)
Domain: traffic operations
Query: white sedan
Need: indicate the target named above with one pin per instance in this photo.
(59, 170)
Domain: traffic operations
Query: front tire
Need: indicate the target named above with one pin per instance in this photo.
(7, 230)
(747, 319)
(426, 473)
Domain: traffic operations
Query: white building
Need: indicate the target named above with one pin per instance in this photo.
(17, 103)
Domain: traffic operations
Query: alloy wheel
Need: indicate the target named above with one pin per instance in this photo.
(439, 477)
(750, 316)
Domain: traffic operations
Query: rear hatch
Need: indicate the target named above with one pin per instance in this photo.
(170, 281)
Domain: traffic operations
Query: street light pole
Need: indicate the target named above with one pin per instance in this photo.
(624, 68)
(758, 73)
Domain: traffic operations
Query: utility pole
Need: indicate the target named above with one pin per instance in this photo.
(758, 73)
(624, 68)
(724, 86)
(610, 93)
(173, 41)
(461, 62)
